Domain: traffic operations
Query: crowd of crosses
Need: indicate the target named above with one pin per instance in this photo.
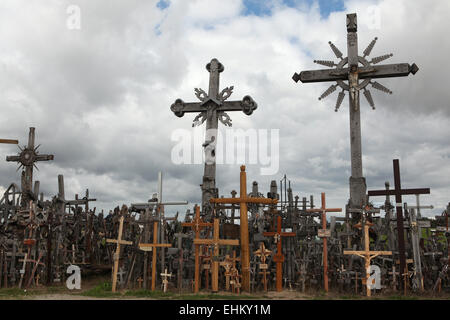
(276, 242)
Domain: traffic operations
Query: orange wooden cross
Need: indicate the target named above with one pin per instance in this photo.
(216, 242)
(243, 200)
(279, 257)
(197, 224)
(324, 234)
(149, 247)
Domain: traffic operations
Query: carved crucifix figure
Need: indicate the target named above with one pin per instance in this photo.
(279, 257)
(358, 68)
(398, 192)
(243, 200)
(263, 254)
(216, 242)
(324, 234)
(212, 108)
(27, 158)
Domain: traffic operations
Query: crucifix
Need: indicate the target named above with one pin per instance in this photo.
(197, 225)
(150, 247)
(165, 282)
(366, 254)
(263, 254)
(227, 264)
(216, 242)
(212, 108)
(279, 257)
(398, 192)
(324, 234)
(358, 68)
(27, 158)
(119, 242)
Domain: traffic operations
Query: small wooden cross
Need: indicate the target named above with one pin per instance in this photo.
(197, 225)
(149, 247)
(235, 276)
(243, 200)
(366, 254)
(140, 280)
(165, 281)
(216, 242)
(279, 257)
(119, 242)
(263, 254)
(324, 211)
(227, 264)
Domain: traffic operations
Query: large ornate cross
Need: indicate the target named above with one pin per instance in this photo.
(324, 235)
(352, 69)
(398, 192)
(216, 242)
(279, 257)
(212, 108)
(197, 224)
(243, 200)
(27, 158)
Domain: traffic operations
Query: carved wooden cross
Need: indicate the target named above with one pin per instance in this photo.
(324, 234)
(366, 254)
(197, 224)
(27, 158)
(205, 264)
(358, 68)
(149, 247)
(398, 192)
(140, 280)
(165, 282)
(216, 242)
(227, 264)
(279, 257)
(243, 200)
(263, 254)
(212, 107)
(119, 242)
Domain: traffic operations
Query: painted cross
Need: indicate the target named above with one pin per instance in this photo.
(149, 247)
(366, 254)
(263, 254)
(165, 282)
(27, 158)
(279, 257)
(212, 108)
(358, 68)
(216, 242)
(243, 200)
(197, 225)
(398, 192)
(118, 242)
(324, 235)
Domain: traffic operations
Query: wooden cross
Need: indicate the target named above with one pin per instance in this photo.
(140, 280)
(353, 73)
(324, 235)
(366, 254)
(235, 276)
(119, 242)
(263, 254)
(206, 264)
(149, 247)
(180, 237)
(279, 257)
(212, 107)
(197, 225)
(165, 281)
(27, 158)
(398, 192)
(216, 242)
(227, 264)
(243, 200)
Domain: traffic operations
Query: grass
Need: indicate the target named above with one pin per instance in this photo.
(103, 290)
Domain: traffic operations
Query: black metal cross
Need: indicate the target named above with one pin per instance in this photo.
(398, 192)
(212, 108)
(357, 68)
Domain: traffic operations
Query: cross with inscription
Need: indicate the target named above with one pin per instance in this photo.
(398, 192)
(212, 108)
(263, 254)
(358, 68)
(27, 158)
(324, 234)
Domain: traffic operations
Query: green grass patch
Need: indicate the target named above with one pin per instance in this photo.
(401, 298)
(103, 290)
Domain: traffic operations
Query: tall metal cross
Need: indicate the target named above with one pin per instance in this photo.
(398, 192)
(27, 158)
(212, 107)
(354, 68)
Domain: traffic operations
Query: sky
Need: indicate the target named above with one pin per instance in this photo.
(97, 79)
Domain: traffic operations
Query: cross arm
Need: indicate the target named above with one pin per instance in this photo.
(9, 141)
(157, 245)
(119, 242)
(13, 158)
(229, 242)
(326, 210)
(247, 200)
(179, 107)
(247, 105)
(393, 192)
(44, 157)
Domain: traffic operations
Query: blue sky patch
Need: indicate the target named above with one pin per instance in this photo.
(264, 8)
(162, 4)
